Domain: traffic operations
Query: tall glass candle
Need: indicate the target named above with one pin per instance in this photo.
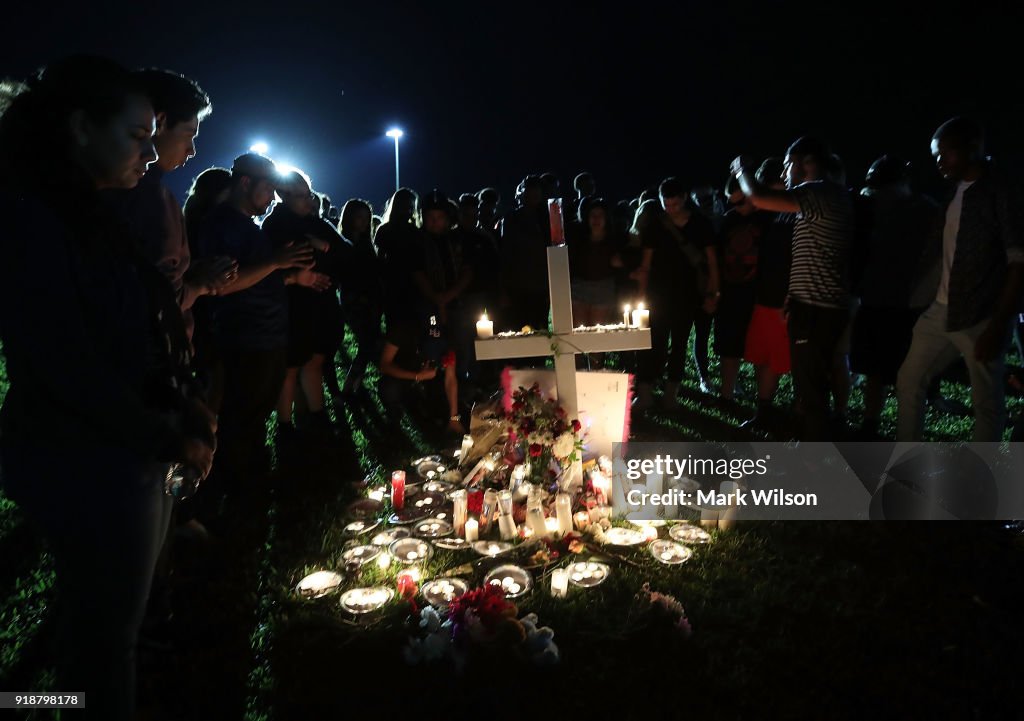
(467, 444)
(555, 220)
(505, 503)
(398, 489)
(535, 521)
(487, 509)
(506, 527)
(459, 510)
(563, 512)
(625, 315)
(601, 485)
(641, 317)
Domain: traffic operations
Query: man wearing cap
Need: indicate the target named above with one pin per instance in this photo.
(249, 318)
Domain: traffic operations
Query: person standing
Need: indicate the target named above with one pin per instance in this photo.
(819, 286)
(88, 446)
(979, 288)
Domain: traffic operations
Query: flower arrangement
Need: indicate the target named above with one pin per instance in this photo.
(545, 432)
(480, 619)
(661, 612)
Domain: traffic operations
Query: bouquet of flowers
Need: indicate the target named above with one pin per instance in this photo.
(480, 619)
(545, 432)
(659, 613)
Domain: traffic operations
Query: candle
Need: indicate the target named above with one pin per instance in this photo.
(505, 503)
(535, 520)
(506, 527)
(459, 511)
(472, 530)
(384, 561)
(641, 317)
(602, 485)
(555, 220)
(484, 329)
(487, 509)
(563, 513)
(559, 583)
(581, 520)
(650, 533)
(551, 526)
(467, 440)
(398, 489)
(377, 494)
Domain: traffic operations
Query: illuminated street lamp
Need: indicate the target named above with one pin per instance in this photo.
(396, 134)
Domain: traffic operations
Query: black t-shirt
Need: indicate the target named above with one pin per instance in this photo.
(773, 261)
(739, 243)
(480, 252)
(678, 253)
(401, 250)
(418, 345)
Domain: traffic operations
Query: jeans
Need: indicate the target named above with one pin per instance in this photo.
(814, 334)
(931, 350)
(104, 519)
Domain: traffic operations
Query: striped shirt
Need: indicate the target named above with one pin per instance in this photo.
(822, 242)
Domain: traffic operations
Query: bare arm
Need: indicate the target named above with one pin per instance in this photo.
(388, 366)
(763, 197)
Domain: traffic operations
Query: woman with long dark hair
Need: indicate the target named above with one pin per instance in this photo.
(97, 419)
(362, 291)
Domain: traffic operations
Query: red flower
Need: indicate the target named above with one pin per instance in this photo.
(576, 426)
(535, 449)
(475, 502)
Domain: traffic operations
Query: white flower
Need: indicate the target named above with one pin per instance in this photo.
(564, 446)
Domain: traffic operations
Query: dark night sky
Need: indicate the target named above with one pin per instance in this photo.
(487, 93)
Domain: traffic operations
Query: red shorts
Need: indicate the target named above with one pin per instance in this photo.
(767, 340)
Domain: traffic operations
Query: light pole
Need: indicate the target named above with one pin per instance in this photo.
(396, 134)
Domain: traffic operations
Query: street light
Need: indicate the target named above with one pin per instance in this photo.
(396, 134)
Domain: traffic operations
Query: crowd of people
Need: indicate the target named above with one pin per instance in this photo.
(141, 336)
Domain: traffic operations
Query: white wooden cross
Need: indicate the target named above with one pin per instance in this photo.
(565, 342)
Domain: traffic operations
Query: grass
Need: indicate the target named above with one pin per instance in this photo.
(791, 620)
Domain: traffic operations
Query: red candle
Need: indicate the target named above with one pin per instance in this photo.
(555, 218)
(398, 489)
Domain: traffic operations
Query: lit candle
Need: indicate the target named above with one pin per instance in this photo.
(384, 560)
(602, 485)
(641, 317)
(398, 489)
(559, 583)
(472, 530)
(487, 509)
(555, 219)
(535, 520)
(377, 494)
(505, 503)
(551, 526)
(506, 527)
(467, 440)
(650, 533)
(625, 315)
(484, 327)
(459, 511)
(582, 520)
(563, 513)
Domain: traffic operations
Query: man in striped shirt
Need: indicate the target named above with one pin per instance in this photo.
(818, 300)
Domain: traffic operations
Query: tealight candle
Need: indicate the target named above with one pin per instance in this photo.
(484, 327)
(559, 583)
(641, 317)
(581, 520)
(377, 494)
(650, 533)
(472, 530)
(384, 560)
(398, 489)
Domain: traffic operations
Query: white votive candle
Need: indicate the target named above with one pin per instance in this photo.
(472, 530)
(559, 583)
(484, 327)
